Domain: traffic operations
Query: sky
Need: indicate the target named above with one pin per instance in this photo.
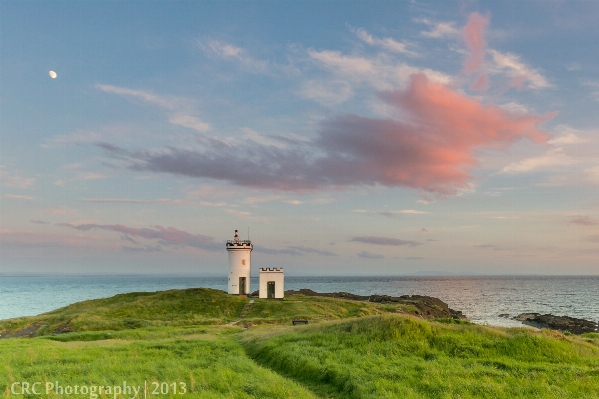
(345, 137)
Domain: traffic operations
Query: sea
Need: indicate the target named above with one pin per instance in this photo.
(481, 298)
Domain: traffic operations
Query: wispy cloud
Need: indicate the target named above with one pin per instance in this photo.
(180, 108)
(208, 203)
(521, 75)
(275, 251)
(39, 222)
(349, 65)
(381, 72)
(309, 250)
(104, 133)
(385, 241)
(386, 43)
(575, 177)
(62, 210)
(568, 135)
(439, 30)
(294, 250)
(266, 198)
(189, 121)
(166, 102)
(489, 246)
(134, 201)
(147, 248)
(583, 220)
(9, 179)
(230, 51)
(166, 236)
(18, 196)
(369, 255)
(570, 160)
(555, 157)
(391, 213)
(327, 92)
(31, 243)
(594, 85)
(241, 214)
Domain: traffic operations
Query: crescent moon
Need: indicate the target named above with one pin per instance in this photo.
(52, 74)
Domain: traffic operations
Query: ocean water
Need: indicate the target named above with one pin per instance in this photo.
(482, 299)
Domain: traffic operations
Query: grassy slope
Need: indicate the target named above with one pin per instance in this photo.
(138, 309)
(395, 356)
(171, 336)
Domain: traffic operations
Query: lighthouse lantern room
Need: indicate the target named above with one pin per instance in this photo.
(239, 265)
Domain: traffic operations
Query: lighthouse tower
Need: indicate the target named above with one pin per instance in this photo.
(239, 265)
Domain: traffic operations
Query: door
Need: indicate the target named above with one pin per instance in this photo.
(242, 286)
(270, 290)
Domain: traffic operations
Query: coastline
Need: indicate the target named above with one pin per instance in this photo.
(481, 299)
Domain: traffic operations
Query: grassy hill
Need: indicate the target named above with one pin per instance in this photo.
(351, 349)
(188, 307)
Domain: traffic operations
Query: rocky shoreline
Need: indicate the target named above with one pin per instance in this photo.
(560, 323)
(427, 307)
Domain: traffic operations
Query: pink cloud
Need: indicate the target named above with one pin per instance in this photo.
(431, 149)
(474, 37)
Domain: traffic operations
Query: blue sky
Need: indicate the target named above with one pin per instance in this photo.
(372, 138)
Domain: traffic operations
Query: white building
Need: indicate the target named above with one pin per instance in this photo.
(239, 265)
(272, 283)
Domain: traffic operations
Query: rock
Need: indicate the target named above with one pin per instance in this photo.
(506, 315)
(27, 332)
(560, 323)
(526, 316)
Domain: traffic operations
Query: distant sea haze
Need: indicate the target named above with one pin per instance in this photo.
(481, 298)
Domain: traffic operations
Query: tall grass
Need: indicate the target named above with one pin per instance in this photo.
(210, 366)
(393, 356)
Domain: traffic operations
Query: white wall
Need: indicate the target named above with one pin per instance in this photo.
(237, 268)
(275, 275)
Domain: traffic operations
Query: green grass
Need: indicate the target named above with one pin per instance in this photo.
(189, 307)
(138, 309)
(395, 356)
(313, 309)
(350, 349)
(209, 364)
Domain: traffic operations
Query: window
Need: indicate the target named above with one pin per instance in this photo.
(243, 261)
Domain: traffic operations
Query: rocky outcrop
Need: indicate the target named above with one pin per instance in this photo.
(27, 332)
(427, 307)
(560, 323)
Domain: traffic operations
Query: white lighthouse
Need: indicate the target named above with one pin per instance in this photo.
(239, 265)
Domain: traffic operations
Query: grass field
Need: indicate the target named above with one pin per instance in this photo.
(181, 340)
